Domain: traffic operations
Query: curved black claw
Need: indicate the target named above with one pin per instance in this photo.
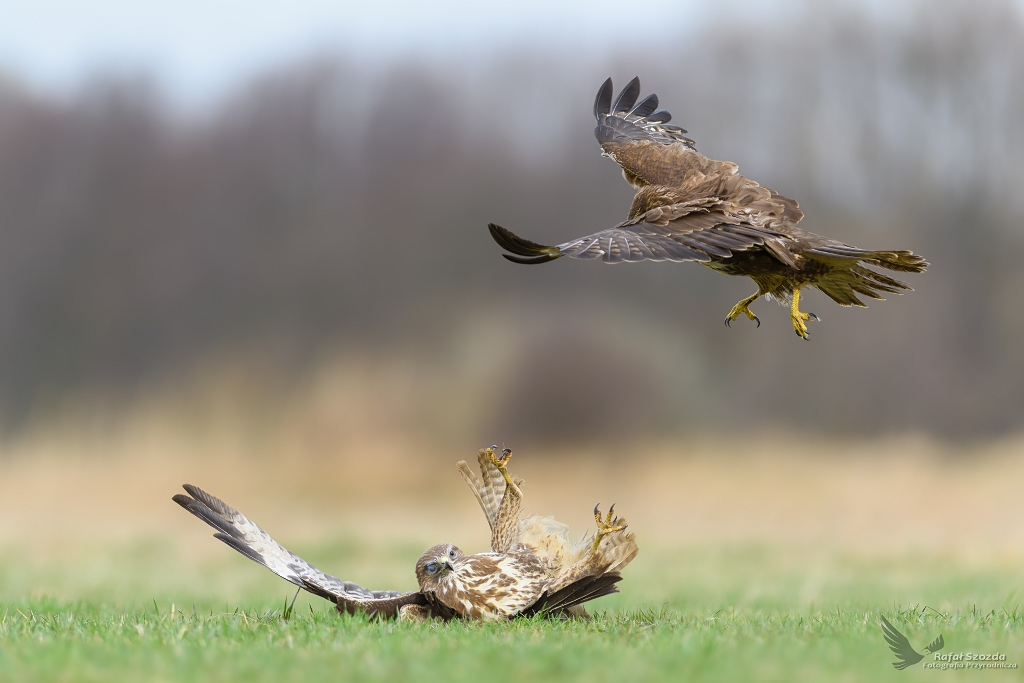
(505, 452)
(816, 318)
(728, 321)
(597, 510)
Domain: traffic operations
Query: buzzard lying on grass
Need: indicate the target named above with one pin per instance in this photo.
(691, 208)
(532, 567)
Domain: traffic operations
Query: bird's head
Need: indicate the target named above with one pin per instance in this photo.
(436, 565)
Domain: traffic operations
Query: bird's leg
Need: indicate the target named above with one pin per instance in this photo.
(501, 462)
(605, 526)
(505, 530)
(799, 317)
(741, 307)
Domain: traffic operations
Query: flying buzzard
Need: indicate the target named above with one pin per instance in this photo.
(691, 208)
(532, 567)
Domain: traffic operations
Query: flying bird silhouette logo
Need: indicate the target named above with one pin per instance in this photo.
(902, 648)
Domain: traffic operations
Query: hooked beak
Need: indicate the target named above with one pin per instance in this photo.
(448, 565)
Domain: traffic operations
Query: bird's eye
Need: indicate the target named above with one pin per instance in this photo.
(432, 568)
(451, 553)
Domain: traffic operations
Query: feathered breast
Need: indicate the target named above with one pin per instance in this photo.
(493, 585)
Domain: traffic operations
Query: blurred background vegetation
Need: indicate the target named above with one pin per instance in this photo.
(316, 236)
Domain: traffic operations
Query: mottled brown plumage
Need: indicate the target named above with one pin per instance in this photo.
(531, 568)
(571, 572)
(691, 208)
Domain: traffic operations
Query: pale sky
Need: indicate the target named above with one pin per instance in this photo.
(199, 47)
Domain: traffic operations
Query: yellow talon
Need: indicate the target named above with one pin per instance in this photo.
(605, 526)
(742, 309)
(501, 462)
(798, 317)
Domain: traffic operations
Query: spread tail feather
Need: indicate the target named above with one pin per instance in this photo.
(843, 286)
(848, 278)
(581, 591)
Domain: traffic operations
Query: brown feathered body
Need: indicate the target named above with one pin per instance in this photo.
(484, 586)
(571, 572)
(531, 567)
(692, 208)
(710, 198)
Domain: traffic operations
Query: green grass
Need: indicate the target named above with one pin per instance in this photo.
(694, 614)
(49, 640)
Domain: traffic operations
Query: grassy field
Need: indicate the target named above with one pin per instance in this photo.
(698, 615)
(758, 562)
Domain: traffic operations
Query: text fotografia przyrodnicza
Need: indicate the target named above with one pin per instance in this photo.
(969, 660)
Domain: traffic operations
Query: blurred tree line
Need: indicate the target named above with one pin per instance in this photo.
(339, 206)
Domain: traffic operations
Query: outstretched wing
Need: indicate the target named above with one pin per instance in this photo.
(239, 532)
(640, 139)
(676, 233)
(900, 646)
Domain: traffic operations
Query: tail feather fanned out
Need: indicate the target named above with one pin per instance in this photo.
(849, 278)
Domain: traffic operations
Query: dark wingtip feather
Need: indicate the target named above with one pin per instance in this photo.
(603, 101)
(211, 501)
(509, 241)
(204, 512)
(241, 547)
(627, 98)
(532, 260)
(660, 117)
(645, 107)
